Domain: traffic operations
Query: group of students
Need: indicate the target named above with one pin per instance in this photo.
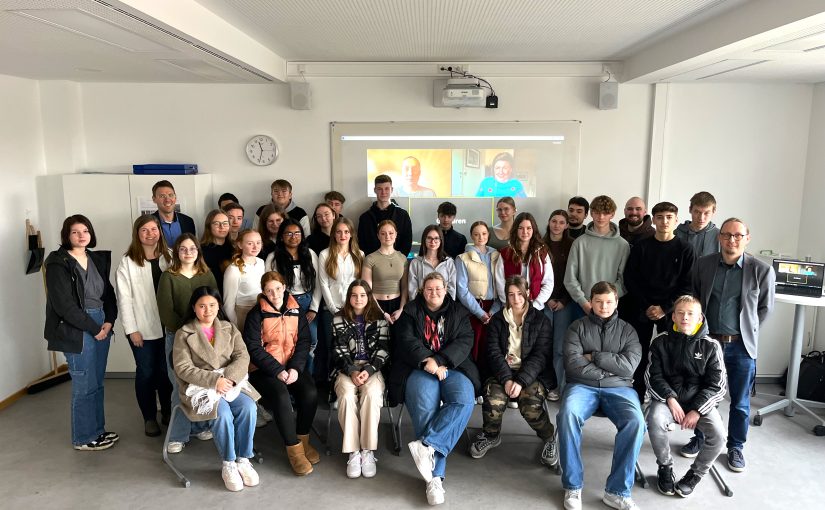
(514, 318)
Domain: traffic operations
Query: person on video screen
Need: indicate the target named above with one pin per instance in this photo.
(500, 184)
(410, 173)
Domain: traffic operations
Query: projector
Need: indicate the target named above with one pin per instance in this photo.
(463, 92)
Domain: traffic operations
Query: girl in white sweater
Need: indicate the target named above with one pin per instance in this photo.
(242, 278)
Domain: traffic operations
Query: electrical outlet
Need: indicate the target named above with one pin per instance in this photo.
(458, 68)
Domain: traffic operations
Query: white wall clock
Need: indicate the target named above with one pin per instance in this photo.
(261, 150)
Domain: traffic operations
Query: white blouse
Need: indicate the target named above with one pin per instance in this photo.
(335, 290)
(241, 289)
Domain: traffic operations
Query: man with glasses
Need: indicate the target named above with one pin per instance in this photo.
(172, 223)
(737, 293)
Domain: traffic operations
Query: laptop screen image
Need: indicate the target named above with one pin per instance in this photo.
(799, 277)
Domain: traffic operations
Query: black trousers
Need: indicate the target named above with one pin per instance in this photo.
(277, 395)
(151, 378)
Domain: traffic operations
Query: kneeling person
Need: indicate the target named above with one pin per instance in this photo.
(518, 350)
(686, 379)
(601, 353)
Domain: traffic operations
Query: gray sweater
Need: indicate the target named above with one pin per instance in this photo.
(594, 258)
(704, 242)
(613, 345)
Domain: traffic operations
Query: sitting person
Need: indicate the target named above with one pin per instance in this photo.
(361, 348)
(601, 353)
(432, 371)
(518, 350)
(686, 380)
(278, 340)
(211, 365)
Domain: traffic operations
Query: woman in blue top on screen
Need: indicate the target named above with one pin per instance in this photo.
(500, 184)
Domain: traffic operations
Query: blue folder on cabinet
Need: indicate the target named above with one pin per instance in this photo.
(165, 169)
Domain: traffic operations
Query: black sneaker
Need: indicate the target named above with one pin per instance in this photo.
(688, 482)
(691, 449)
(109, 436)
(151, 428)
(97, 444)
(483, 444)
(736, 460)
(666, 480)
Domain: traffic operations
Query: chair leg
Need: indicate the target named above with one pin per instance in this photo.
(396, 431)
(181, 478)
(640, 476)
(717, 477)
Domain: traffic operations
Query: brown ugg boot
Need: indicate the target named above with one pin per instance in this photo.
(298, 461)
(311, 453)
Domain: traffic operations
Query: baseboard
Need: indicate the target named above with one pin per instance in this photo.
(11, 399)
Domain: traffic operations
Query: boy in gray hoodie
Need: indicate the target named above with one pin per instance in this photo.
(699, 231)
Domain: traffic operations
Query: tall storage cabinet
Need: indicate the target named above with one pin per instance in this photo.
(112, 203)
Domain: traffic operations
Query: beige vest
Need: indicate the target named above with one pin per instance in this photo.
(477, 272)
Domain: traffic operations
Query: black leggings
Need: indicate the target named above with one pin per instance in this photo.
(277, 395)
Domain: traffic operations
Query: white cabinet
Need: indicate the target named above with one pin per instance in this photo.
(111, 202)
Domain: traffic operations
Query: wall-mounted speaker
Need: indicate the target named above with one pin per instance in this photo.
(300, 95)
(608, 95)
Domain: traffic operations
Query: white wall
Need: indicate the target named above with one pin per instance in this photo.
(22, 348)
(811, 228)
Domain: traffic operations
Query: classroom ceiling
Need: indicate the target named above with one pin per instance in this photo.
(260, 41)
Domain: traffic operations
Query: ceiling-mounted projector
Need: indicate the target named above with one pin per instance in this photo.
(463, 92)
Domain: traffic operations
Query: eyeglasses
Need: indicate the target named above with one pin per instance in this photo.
(292, 234)
(727, 236)
(164, 196)
(220, 223)
(433, 239)
(187, 250)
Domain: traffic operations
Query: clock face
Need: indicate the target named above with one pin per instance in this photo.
(262, 150)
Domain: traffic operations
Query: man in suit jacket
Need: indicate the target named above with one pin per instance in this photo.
(737, 293)
(172, 223)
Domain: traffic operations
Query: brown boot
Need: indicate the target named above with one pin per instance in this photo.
(312, 454)
(297, 459)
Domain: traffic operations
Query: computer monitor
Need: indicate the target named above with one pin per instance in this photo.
(799, 277)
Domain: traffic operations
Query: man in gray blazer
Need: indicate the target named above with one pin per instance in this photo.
(737, 293)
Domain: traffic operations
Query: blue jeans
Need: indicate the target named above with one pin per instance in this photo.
(561, 321)
(151, 380)
(304, 300)
(621, 406)
(181, 426)
(234, 428)
(87, 369)
(439, 411)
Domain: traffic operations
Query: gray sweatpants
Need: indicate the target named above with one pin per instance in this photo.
(659, 419)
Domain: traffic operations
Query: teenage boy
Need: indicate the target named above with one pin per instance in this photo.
(699, 231)
(172, 223)
(454, 242)
(686, 379)
(281, 195)
(601, 352)
(737, 293)
(226, 199)
(577, 209)
(658, 271)
(599, 255)
(384, 209)
(335, 200)
(636, 224)
(234, 212)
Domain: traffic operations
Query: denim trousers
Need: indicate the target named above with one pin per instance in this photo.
(304, 300)
(234, 428)
(561, 320)
(181, 426)
(151, 379)
(439, 411)
(87, 370)
(621, 406)
(741, 370)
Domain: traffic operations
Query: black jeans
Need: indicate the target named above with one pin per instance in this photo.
(277, 395)
(151, 378)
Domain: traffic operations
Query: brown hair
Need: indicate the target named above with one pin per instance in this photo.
(734, 220)
(381, 179)
(702, 199)
(372, 312)
(207, 236)
(604, 288)
(521, 284)
(266, 212)
(335, 195)
(535, 247)
(281, 184)
(664, 207)
(602, 204)
(162, 184)
(135, 250)
(331, 265)
(507, 200)
(422, 250)
(200, 265)
(68, 223)
(557, 212)
(314, 227)
(479, 223)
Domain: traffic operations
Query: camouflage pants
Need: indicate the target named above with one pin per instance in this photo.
(530, 404)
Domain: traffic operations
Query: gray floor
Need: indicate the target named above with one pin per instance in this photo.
(39, 469)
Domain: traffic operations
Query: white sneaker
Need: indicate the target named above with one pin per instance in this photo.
(248, 474)
(354, 465)
(205, 435)
(512, 404)
(231, 477)
(368, 460)
(553, 395)
(174, 447)
(435, 491)
(572, 499)
(619, 502)
(423, 457)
